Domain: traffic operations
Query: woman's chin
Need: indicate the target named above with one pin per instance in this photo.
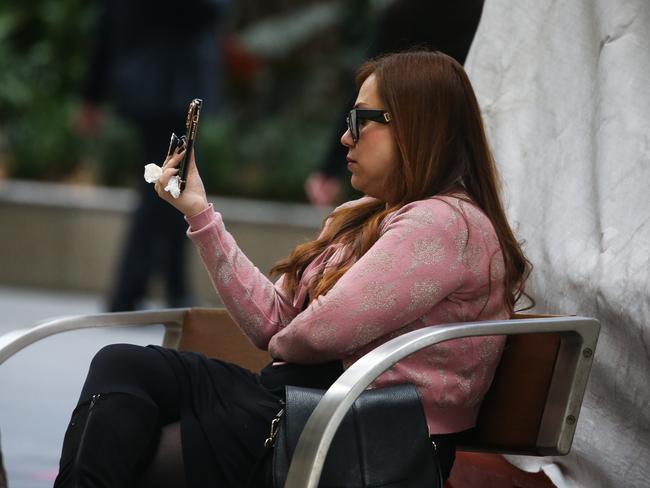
(354, 182)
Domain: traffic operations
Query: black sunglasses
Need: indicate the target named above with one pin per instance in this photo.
(359, 114)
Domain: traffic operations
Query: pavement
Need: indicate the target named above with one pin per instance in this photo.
(39, 386)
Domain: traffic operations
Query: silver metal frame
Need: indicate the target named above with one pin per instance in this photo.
(579, 337)
(172, 319)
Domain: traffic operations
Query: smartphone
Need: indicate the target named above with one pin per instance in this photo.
(191, 127)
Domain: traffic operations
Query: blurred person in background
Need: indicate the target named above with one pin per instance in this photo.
(442, 25)
(148, 60)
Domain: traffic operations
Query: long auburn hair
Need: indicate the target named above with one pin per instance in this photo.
(443, 149)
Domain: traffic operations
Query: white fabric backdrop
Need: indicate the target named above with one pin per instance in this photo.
(565, 90)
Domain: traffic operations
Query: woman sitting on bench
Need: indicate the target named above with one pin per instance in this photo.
(427, 244)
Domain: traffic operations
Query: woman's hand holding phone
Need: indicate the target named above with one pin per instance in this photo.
(193, 199)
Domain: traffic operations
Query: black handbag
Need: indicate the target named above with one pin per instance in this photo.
(383, 441)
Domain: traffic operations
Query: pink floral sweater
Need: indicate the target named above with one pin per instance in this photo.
(437, 261)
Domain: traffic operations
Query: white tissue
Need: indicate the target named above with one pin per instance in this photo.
(174, 186)
(152, 173)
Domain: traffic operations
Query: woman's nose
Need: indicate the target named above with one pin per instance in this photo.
(346, 139)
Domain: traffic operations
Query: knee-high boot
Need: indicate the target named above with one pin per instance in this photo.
(109, 440)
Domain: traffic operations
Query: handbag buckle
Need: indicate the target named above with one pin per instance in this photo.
(275, 425)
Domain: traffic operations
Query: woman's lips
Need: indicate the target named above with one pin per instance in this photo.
(350, 161)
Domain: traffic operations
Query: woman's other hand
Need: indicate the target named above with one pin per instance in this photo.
(192, 199)
(322, 189)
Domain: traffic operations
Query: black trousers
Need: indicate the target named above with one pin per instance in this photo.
(226, 412)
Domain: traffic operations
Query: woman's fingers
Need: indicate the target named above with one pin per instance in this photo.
(166, 175)
(193, 198)
(162, 182)
(174, 160)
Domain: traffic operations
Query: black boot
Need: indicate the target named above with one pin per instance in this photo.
(109, 440)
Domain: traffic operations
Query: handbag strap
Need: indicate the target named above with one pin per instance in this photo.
(265, 458)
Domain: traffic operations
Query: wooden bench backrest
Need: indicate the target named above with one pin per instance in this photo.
(213, 333)
(511, 413)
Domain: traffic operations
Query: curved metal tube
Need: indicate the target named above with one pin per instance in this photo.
(172, 319)
(314, 442)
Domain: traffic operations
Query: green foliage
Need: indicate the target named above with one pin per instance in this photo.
(42, 52)
(41, 62)
(270, 136)
(40, 144)
(268, 158)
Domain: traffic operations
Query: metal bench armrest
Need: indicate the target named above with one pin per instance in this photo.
(172, 319)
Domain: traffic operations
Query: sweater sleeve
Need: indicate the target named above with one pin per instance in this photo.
(259, 306)
(417, 262)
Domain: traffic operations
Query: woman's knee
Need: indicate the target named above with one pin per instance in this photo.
(136, 370)
(116, 367)
(118, 356)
